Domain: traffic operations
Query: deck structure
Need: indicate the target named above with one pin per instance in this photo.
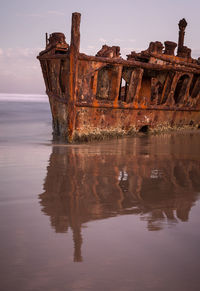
(106, 95)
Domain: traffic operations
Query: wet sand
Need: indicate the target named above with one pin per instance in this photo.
(113, 215)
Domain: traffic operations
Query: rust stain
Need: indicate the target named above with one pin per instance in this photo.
(106, 95)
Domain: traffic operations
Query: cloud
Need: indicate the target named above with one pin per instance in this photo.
(19, 52)
(20, 71)
(132, 40)
(37, 15)
(55, 12)
(127, 50)
(91, 47)
(101, 39)
(118, 40)
(42, 15)
(196, 53)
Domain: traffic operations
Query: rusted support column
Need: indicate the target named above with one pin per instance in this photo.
(74, 52)
(167, 87)
(46, 36)
(170, 99)
(75, 33)
(116, 80)
(186, 97)
(118, 85)
(182, 25)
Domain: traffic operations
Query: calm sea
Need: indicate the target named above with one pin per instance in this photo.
(113, 215)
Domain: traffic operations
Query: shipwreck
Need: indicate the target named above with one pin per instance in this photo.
(105, 95)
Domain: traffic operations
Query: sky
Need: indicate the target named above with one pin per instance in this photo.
(131, 24)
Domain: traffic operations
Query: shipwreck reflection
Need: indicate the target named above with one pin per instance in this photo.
(90, 182)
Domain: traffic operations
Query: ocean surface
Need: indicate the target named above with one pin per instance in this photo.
(113, 215)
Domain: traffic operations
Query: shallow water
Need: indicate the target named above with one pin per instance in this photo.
(113, 215)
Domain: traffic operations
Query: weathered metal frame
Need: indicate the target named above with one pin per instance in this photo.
(78, 113)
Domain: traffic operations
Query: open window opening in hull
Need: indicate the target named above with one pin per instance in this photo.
(107, 83)
(195, 86)
(125, 84)
(181, 88)
(167, 87)
(123, 90)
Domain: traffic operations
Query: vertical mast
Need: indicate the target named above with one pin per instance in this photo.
(74, 52)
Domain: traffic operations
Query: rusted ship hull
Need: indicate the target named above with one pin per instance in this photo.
(105, 95)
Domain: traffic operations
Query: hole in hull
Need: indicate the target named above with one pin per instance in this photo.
(144, 129)
(181, 87)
